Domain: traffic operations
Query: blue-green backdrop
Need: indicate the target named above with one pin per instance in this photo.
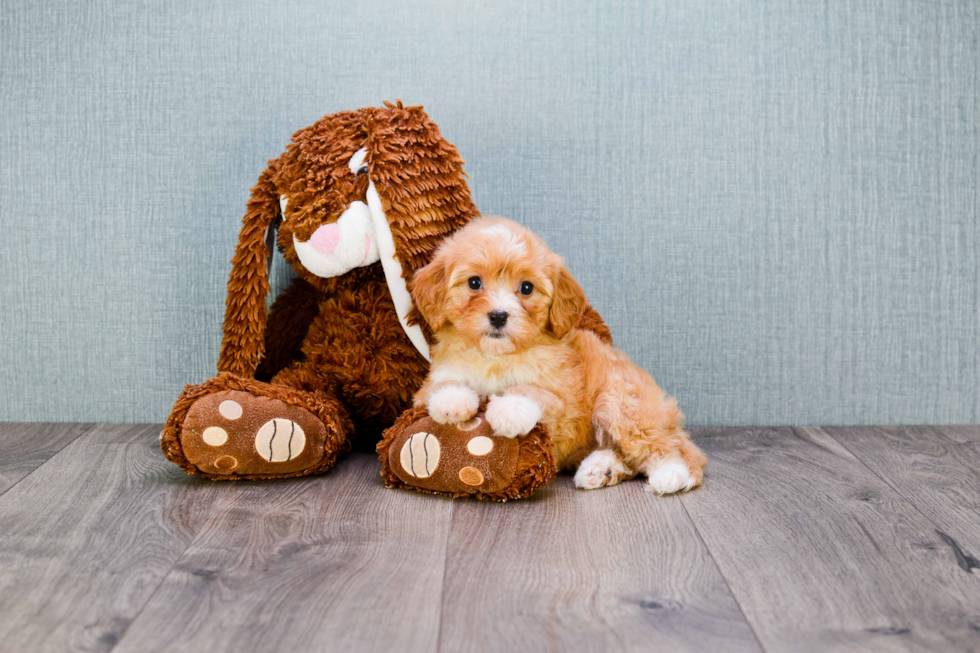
(773, 204)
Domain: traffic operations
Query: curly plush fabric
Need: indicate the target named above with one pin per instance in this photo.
(420, 181)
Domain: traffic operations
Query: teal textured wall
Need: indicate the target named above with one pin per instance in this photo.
(773, 204)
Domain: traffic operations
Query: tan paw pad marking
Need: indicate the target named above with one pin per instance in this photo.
(471, 475)
(470, 425)
(420, 455)
(230, 409)
(280, 440)
(215, 436)
(481, 445)
(226, 463)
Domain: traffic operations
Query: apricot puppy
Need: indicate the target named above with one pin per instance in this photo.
(503, 310)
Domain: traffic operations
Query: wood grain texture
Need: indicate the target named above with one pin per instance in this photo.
(23, 447)
(936, 469)
(961, 432)
(337, 562)
(614, 569)
(803, 539)
(87, 538)
(823, 555)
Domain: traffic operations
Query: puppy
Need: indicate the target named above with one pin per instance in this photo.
(503, 309)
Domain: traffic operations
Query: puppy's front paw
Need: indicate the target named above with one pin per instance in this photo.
(599, 469)
(669, 477)
(452, 404)
(512, 415)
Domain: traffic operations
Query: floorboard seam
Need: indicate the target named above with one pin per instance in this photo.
(52, 456)
(163, 579)
(901, 495)
(721, 573)
(445, 566)
(156, 589)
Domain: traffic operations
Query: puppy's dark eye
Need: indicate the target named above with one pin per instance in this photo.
(527, 288)
(362, 170)
(475, 283)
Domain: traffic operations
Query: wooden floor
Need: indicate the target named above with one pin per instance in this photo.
(802, 539)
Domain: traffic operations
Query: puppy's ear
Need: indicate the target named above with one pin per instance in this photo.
(567, 303)
(429, 292)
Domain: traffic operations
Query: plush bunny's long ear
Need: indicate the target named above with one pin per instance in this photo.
(421, 186)
(248, 285)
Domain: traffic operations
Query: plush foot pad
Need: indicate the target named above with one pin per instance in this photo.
(464, 459)
(238, 428)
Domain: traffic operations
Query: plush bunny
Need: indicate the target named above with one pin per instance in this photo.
(360, 200)
(357, 203)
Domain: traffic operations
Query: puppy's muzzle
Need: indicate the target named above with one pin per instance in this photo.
(498, 319)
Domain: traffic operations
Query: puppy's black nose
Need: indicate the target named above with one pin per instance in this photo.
(498, 319)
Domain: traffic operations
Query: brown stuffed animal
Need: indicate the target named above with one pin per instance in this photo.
(361, 199)
(464, 459)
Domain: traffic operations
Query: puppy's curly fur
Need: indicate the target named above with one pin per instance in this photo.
(505, 313)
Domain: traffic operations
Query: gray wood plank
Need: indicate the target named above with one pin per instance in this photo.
(24, 447)
(616, 569)
(935, 469)
(336, 562)
(961, 432)
(821, 554)
(88, 536)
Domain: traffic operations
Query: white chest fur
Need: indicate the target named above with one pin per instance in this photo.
(485, 381)
(488, 375)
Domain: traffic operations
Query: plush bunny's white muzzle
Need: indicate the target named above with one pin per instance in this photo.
(337, 248)
(360, 237)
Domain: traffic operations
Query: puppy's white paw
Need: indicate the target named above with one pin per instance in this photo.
(599, 469)
(452, 404)
(669, 477)
(512, 415)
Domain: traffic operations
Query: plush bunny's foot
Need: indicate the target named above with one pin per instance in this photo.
(464, 459)
(232, 428)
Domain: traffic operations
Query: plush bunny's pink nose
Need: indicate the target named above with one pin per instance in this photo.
(325, 239)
